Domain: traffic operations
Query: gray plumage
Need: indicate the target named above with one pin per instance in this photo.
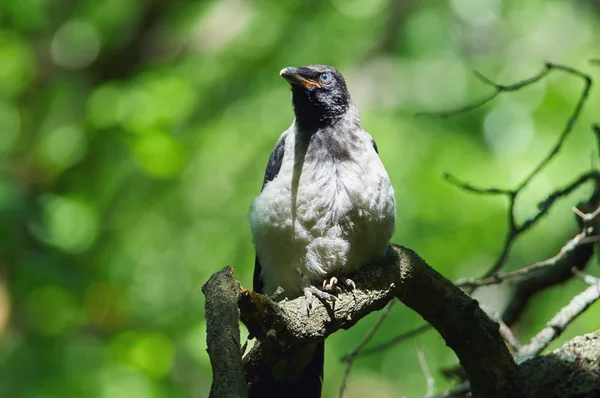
(329, 210)
(326, 209)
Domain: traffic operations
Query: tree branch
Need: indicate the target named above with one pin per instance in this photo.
(558, 324)
(284, 328)
(570, 371)
(395, 340)
(514, 230)
(569, 247)
(223, 334)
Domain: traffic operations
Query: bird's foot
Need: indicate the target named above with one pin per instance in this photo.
(332, 283)
(349, 283)
(311, 291)
(329, 285)
(278, 292)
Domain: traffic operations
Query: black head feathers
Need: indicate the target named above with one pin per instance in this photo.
(319, 94)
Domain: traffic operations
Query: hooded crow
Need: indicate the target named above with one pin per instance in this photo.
(326, 209)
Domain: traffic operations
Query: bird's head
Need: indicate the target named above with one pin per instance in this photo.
(319, 94)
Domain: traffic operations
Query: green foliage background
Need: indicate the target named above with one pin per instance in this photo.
(134, 135)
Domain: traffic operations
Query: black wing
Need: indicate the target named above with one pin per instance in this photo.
(375, 146)
(273, 167)
(275, 160)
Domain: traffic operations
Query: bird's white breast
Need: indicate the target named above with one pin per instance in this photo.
(322, 216)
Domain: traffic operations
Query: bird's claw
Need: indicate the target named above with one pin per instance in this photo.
(332, 283)
(349, 283)
(329, 285)
(311, 291)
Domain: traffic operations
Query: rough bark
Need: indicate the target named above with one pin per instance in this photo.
(223, 335)
(284, 327)
(571, 371)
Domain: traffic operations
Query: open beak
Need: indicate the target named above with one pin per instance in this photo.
(293, 76)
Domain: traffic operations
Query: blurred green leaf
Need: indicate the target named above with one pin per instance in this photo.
(53, 311)
(159, 154)
(17, 63)
(70, 224)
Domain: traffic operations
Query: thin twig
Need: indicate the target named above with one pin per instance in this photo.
(514, 230)
(570, 123)
(579, 239)
(396, 340)
(500, 88)
(509, 337)
(349, 358)
(557, 325)
(590, 239)
(496, 279)
(545, 205)
(589, 279)
(470, 188)
(459, 391)
(507, 334)
(524, 288)
(586, 216)
(430, 381)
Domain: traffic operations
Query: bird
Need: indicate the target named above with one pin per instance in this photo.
(326, 208)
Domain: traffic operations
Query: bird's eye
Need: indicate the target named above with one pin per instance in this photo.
(326, 78)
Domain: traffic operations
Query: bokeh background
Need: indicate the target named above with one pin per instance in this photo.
(134, 135)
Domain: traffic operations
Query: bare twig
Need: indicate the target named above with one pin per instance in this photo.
(514, 230)
(589, 279)
(564, 251)
(545, 205)
(500, 88)
(586, 216)
(459, 391)
(570, 123)
(546, 277)
(429, 380)
(557, 325)
(470, 188)
(590, 239)
(511, 341)
(571, 245)
(349, 358)
(396, 340)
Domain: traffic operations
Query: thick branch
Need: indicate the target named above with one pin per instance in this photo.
(571, 371)
(223, 335)
(284, 328)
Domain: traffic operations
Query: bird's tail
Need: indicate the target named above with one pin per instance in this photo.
(306, 384)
